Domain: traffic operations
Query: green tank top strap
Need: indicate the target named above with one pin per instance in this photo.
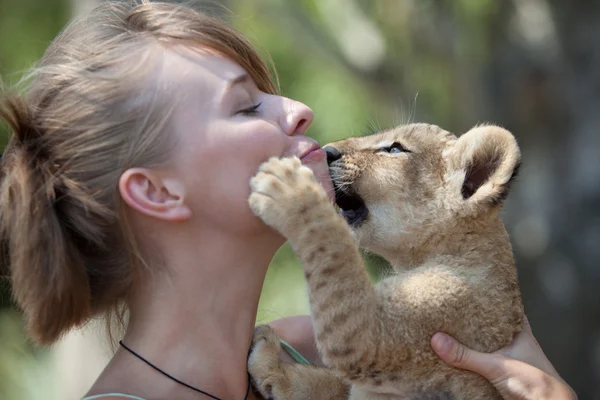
(109, 395)
(299, 358)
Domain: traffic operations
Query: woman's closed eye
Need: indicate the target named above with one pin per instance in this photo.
(252, 110)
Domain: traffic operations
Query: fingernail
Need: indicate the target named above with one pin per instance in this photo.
(442, 342)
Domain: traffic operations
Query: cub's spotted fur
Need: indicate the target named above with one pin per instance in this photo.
(429, 203)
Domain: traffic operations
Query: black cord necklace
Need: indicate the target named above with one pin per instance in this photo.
(177, 380)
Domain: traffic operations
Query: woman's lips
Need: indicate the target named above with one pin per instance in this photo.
(315, 155)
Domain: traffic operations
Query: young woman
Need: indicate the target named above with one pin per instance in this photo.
(125, 184)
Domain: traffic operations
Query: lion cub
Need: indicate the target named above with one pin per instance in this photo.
(429, 203)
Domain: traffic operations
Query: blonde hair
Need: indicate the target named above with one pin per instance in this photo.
(91, 111)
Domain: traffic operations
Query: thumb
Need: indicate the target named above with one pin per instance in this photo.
(460, 356)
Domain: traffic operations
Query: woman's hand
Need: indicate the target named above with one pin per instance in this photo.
(519, 371)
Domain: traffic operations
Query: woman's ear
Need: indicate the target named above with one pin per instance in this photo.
(482, 164)
(151, 194)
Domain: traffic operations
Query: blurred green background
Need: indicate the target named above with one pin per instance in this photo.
(532, 66)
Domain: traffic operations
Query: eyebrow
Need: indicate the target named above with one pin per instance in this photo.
(237, 80)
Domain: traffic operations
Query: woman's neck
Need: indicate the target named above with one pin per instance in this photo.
(195, 321)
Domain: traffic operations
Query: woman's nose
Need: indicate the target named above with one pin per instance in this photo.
(297, 118)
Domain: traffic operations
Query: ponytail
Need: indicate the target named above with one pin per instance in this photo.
(48, 273)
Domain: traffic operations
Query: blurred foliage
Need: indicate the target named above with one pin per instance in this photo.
(366, 65)
(24, 373)
(26, 29)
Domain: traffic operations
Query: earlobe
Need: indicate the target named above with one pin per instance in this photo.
(147, 192)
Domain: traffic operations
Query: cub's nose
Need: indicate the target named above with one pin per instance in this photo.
(332, 154)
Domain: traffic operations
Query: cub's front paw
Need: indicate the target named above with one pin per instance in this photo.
(284, 192)
(264, 365)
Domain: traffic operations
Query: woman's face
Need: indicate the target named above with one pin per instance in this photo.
(225, 128)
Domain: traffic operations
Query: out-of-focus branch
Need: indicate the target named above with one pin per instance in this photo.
(82, 6)
(380, 76)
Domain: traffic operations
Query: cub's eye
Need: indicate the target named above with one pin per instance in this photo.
(394, 149)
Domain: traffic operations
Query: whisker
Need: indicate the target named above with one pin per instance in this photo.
(413, 111)
(399, 116)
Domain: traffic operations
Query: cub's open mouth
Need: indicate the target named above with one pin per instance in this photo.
(352, 207)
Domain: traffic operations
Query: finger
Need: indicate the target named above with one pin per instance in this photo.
(519, 380)
(460, 356)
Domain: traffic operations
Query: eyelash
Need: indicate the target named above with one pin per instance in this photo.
(251, 110)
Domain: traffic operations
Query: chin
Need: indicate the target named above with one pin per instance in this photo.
(265, 233)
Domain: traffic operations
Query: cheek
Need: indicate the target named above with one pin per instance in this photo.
(264, 145)
(381, 187)
(239, 149)
(251, 149)
(220, 182)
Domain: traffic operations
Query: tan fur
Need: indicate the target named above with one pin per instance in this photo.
(434, 214)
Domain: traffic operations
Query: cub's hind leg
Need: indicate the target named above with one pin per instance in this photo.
(278, 380)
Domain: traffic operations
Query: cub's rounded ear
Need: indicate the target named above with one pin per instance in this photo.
(481, 165)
